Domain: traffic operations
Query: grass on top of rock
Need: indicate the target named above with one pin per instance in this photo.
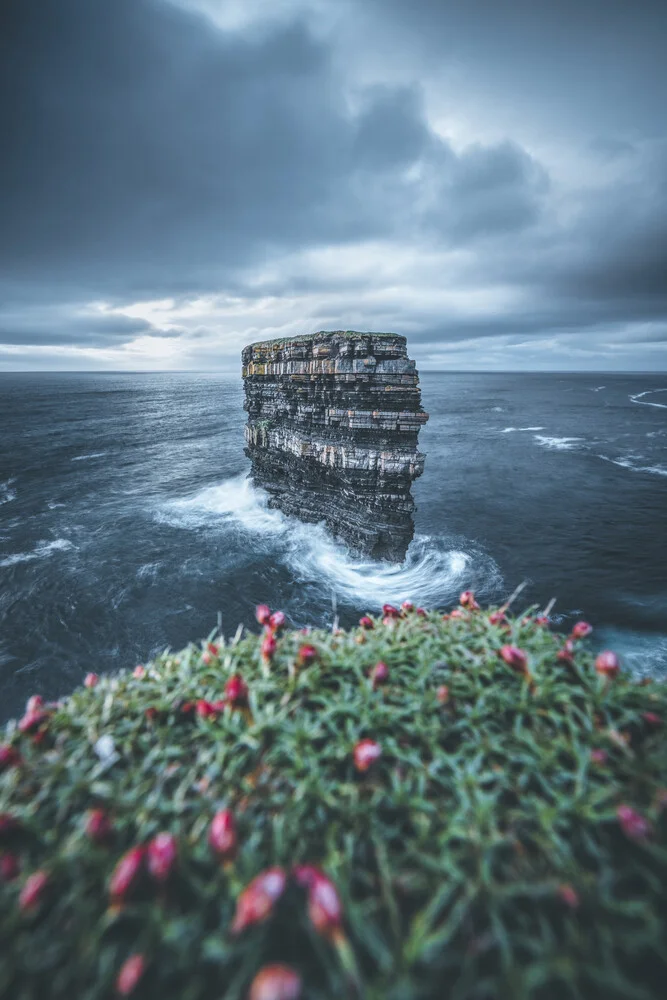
(421, 807)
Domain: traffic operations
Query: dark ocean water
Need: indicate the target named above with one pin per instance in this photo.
(127, 524)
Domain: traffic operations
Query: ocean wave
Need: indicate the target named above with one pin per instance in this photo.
(41, 551)
(86, 458)
(630, 462)
(638, 398)
(434, 571)
(508, 430)
(558, 444)
(7, 494)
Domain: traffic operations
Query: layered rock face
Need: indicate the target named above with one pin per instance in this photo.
(333, 421)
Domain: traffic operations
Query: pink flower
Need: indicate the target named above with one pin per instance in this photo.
(599, 757)
(212, 648)
(98, 826)
(33, 891)
(607, 664)
(407, 606)
(126, 874)
(497, 618)
(32, 720)
(421, 612)
(457, 613)
(275, 982)
(10, 867)
(442, 694)
(161, 856)
(581, 630)
(634, 825)
(277, 620)
(269, 646)
(652, 719)
(366, 622)
(307, 655)
(34, 703)
(222, 836)
(366, 752)
(257, 900)
(389, 611)
(90, 680)
(542, 620)
(236, 691)
(263, 614)
(324, 907)
(9, 757)
(568, 895)
(514, 658)
(131, 971)
(467, 600)
(205, 709)
(379, 674)
(139, 672)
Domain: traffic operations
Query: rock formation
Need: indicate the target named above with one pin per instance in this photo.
(333, 421)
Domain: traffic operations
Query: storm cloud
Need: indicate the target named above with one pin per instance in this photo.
(180, 178)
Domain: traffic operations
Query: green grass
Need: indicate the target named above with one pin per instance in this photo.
(480, 857)
(321, 335)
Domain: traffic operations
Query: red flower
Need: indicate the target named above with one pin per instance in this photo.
(262, 614)
(90, 680)
(307, 655)
(542, 620)
(389, 611)
(33, 891)
(34, 703)
(442, 694)
(457, 613)
(366, 622)
(651, 718)
(10, 866)
(421, 612)
(130, 973)
(98, 826)
(151, 713)
(379, 674)
(581, 630)
(565, 655)
(407, 606)
(187, 707)
(139, 672)
(269, 646)
(497, 618)
(275, 982)
(634, 825)
(467, 600)
(599, 757)
(222, 836)
(32, 720)
(568, 895)
(212, 649)
(205, 709)
(257, 900)
(324, 907)
(514, 658)
(366, 752)
(277, 620)
(236, 691)
(607, 664)
(126, 874)
(161, 856)
(9, 757)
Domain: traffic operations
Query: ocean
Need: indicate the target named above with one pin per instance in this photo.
(128, 525)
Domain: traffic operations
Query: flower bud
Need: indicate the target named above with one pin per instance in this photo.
(257, 900)
(212, 649)
(205, 709)
(514, 658)
(90, 680)
(467, 600)
(379, 674)
(307, 656)
(633, 824)
(9, 757)
(599, 757)
(457, 613)
(131, 971)
(324, 907)
(421, 612)
(542, 620)
(497, 618)
(32, 720)
(366, 622)
(389, 611)
(442, 694)
(569, 895)
(222, 836)
(407, 607)
(366, 752)
(581, 630)
(34, 703)
(277, 620)
(275, 982)
(139, 672)
(607, 664)
(98, 826)
(236, 691)
(652, 719)
(161, 856)
(151, 713)
(126, 874)
(269, 646)
(263, 614)
(10, 866)
(33, 891)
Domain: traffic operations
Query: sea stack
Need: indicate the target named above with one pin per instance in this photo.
(333, 422)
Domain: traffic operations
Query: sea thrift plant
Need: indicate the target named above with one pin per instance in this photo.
(441, 830)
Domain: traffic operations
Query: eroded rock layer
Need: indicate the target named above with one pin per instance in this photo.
(333, 421)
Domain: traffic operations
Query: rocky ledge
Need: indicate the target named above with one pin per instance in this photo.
(333, 422)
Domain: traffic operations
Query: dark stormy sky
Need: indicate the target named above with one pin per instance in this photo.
(180, 177)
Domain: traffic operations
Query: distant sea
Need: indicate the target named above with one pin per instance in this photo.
(128, 525)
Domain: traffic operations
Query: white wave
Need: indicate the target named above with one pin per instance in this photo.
(637, 398)
(7, 494)
(93, 454)
(52, 505)
(558, 444)
(41, 551)
(597, 388)
(434, 570)
(630, 462)
(508, 430)
(498, 409)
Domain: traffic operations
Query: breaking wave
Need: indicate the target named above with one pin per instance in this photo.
(558, 444)
(638, 398)
(435, 570)
(41, 551)
(86, 458)
(630, 462)
(7, 494)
